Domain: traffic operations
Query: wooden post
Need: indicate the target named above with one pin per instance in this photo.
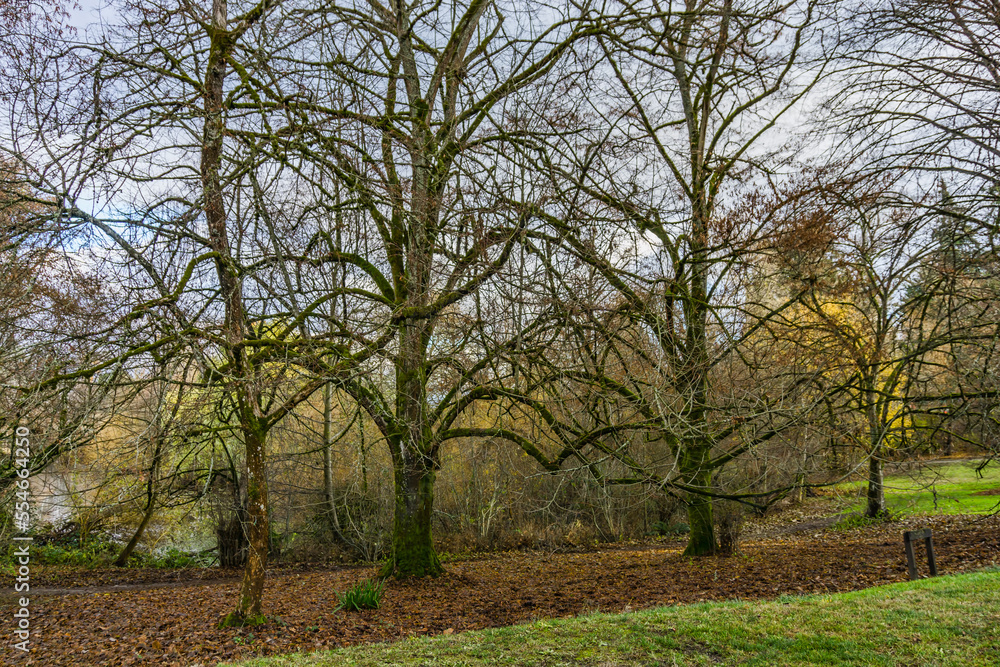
(931, 562)
(911, 562)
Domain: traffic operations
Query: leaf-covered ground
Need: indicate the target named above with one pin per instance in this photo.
(175, 624)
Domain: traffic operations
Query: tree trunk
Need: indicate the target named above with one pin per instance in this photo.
(248, 610)
(696, 452)
(331, 504)
(412, 445)
(150, 508)
(126, 553)
(701, 539)
(413, 457)
(257, 531)
(413, 552)
(876, 487)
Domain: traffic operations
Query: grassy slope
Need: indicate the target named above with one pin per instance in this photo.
(952, 620)
(954, 484)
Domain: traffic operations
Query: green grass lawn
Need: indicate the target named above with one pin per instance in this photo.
(953, 620)
(944, 488)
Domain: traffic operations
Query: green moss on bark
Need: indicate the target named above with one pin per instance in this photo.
(235, 619)
(701, 539)
(413, 553)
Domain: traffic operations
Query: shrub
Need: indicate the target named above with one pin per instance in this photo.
(365, 595)
(729, 518)
(664, 528)
(67, 546)
(172, 558)
(85, 556)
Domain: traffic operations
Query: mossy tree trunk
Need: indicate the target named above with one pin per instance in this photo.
(701, 540)
(413, 448)
(245, 385)
(413, 553)
(257, 527)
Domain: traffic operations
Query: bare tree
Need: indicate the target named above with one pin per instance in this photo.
(411, 110)
(684, 120)
(882, 318)
(179, 218)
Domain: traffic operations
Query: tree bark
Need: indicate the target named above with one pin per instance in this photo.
(876, 487)
(413, 553)
(414, 466)
(257, 529)
(701, 539)
(253, 429)
(150, 507)
(148, 512)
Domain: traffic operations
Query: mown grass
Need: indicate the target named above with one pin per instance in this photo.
(953, 620)
(947, 488)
